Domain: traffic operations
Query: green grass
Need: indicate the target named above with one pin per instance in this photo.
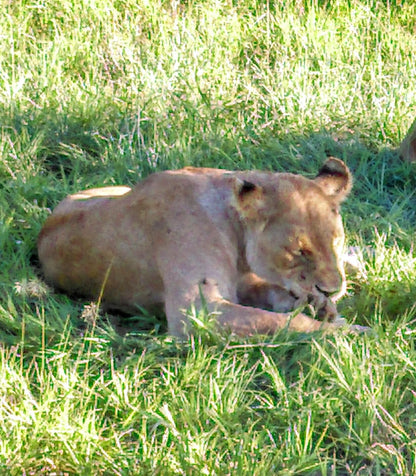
(105, 92)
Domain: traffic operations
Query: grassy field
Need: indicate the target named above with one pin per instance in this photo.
(101, 92)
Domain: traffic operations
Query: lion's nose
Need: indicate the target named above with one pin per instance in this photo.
(328, 292)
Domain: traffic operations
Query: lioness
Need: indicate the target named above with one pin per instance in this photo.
(245, 241)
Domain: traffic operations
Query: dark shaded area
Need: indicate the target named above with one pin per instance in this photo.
(76, 152)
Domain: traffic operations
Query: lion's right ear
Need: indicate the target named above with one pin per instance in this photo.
(335, 179)
(248, 199)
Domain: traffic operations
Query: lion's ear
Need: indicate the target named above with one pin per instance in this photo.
(248, 199)
(335, 179)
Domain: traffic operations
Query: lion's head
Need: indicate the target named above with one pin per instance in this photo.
(294, 230)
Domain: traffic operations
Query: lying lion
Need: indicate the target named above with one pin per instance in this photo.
(251, 246)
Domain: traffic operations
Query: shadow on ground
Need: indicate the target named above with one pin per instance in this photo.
(73, 152)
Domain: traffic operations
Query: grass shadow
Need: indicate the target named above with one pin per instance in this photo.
(75, 152)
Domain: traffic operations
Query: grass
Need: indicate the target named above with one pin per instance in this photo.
(105, 92)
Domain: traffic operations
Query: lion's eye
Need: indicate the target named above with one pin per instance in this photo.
(301, 252)
(305, 253)
(298, 257)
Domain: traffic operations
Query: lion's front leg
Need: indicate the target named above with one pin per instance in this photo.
(239, 319)
(256, 292)
(322, 306)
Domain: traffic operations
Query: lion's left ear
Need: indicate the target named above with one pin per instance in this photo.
(335, 179)
(248, 199)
